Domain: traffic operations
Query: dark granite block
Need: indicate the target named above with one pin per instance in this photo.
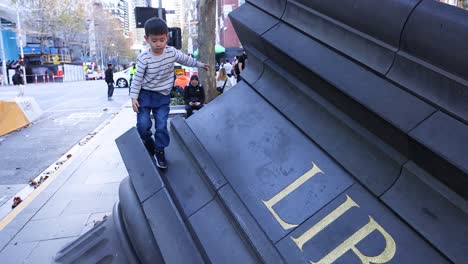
(274, 7)
(346, 28)
(188, 187)
(375, 93)
(255, 70)
(441, 23)
(197, 151)
(339, 81)
(435, 72)
(169, 230)
(261, 153)
(433, 210)
(265, 250)
(250, 23)
(439, 146)
(357, 219)
(140, 166)
(218, 236)
(372, 162)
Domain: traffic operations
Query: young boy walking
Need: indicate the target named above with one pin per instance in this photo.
(152, 84)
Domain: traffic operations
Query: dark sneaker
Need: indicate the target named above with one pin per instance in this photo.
(160, 159)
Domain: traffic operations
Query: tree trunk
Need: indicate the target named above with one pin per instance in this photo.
(206, 44)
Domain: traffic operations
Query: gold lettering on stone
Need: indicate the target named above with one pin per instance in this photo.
(286, 191)
(351, 242)
(309, 234)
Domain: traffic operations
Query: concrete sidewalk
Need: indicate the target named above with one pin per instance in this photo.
(68, 204)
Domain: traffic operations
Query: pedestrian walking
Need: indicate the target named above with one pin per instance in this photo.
(228, 67)
(151, 87)
(241, 63)
(223, 82)
(132, 75)
(109, 78)
(17, 78)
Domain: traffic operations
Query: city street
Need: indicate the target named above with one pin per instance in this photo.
(71, 111)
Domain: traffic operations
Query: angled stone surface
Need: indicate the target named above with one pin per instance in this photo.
(193, 147)
(352, 146)
(433, 210)
(140, 166)
(221, 242)
(435, 72)
(376, 94)
(260, 153)
(250, 22)
(190, 190)
(169, 230)
(356, 222)
(275, 7)
(255, 236)
(349, 32)
(440, 147)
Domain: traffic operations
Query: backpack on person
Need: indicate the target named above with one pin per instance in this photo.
(221, 89)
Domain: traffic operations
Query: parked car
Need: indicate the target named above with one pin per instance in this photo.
(122, 78)
(94, 75)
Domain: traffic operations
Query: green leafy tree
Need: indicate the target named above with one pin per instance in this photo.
(49, 19)
(110, 37)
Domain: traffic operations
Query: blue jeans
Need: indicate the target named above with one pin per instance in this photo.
(158, 104)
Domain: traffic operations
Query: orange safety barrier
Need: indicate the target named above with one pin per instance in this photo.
(11, 117)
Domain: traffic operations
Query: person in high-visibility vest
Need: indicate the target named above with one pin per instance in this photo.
(132, 75)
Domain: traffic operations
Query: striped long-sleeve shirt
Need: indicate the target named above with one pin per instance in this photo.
(156, 73)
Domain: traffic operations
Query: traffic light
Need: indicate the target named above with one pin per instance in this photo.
(144, 13)
(175, 38)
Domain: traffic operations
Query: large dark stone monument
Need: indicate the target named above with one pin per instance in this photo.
(345, 143)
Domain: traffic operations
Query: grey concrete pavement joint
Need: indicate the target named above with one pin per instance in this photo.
(34, 183)
(78, 158)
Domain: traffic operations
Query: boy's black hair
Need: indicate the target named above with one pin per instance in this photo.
(108, 65)
(155, 26)
(194, 77)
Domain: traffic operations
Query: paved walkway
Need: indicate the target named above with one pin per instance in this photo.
(82, 191)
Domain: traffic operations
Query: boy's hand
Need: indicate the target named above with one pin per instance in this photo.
(205, 66)
(135, 105)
